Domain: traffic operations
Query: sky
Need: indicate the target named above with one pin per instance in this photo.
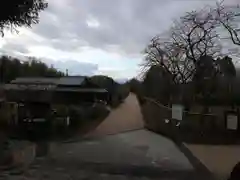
(90, 37)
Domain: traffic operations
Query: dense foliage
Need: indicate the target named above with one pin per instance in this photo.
(10, 68)
(105, 82)
(118, 92)
(16, 13)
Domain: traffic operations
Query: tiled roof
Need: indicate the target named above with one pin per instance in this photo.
(71, 80)
(35, 80)
(67, 81)
(61, 84)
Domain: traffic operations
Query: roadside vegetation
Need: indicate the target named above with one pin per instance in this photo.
(189, 65)
(82, 115)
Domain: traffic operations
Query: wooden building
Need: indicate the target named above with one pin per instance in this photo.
(63, 90)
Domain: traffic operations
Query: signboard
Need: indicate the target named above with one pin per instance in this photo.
(68, 121)
(232, 122)
(177, 111)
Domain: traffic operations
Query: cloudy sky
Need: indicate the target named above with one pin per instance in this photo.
(97, 36)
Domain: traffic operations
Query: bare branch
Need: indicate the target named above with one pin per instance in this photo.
(227, 16)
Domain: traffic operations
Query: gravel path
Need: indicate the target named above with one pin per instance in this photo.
(126, 117)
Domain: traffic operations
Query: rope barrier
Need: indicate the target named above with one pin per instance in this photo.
(169, 108)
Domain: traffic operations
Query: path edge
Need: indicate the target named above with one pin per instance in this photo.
(197, 164)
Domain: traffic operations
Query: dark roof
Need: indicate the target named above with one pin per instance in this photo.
(29, 87)
(62, 89)
(60, 84)
(67, 81)
(71, 80)
(90, 90)
(35, 80)
(52, 87)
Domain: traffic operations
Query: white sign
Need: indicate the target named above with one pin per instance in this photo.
(68, 121)
(232, 122)
(177, 111)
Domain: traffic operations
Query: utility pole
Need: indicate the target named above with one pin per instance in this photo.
(66, 72)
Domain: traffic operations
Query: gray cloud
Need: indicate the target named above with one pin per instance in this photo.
(122, 26)
(16, 47)
(74, 67)
(129, 24)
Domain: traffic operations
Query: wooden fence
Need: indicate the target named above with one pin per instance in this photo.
(195, 127)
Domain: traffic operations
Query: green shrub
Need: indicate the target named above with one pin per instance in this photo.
(124, 91)
(77, 115)
(118, 92)
(6, 115)
(115, 101)
(99, 111)
(141, 99)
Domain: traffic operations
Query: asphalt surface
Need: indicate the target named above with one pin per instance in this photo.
(136, 154)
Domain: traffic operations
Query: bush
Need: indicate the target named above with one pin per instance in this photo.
(78, 116)
(81, 115)
(115, 101)
(123, 91)
(118, 92)
(6, 115)
(141, 99)
(99, 111)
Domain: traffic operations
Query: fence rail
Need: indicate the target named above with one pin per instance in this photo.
(169, 108)
(196, 127)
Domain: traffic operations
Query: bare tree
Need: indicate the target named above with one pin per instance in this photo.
(192, 37)
(229, 17)
(196, 34)
(156, 54)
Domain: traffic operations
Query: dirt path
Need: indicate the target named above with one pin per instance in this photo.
(124, 118)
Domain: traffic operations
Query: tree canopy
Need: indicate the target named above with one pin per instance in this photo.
(227, 67)
(193, 43)
(16, 13)
(11, 68)
(105, 82)
(193, 54)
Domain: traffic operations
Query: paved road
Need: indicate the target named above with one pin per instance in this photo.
(138, 154)
(137, 148)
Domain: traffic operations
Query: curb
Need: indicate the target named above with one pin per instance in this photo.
(197, 164)
(86, 138)
(133, 170)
